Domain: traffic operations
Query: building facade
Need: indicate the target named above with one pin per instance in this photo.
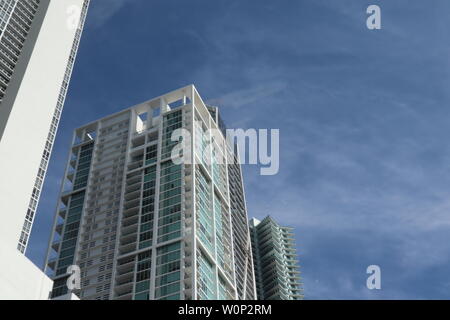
(38, 44)
(37, 52)
(142, 225)
(243, 259)
(277, 271)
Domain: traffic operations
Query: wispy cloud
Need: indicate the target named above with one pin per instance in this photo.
(243, 97)
(103, 10)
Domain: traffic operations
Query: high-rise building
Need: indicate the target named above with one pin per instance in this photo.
(277, 271)
(141, 225)
(38, 44)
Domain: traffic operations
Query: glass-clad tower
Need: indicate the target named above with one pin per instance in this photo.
(277, 271)
(142, 225)
(243, 259)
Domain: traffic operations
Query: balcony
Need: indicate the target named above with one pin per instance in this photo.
(133, 195)
(125, 271)
(52, 263)
(131, 211)
(130, 221)
(132, 204)
(70, 175)
(135, 164)
(133, 179)
(129, 230)
(128, 239)
(59, 228)
(127, 248)
(62, 213)
(137, 142)
(124, 294)
(56, 244)
(132, 187)
(124, 287)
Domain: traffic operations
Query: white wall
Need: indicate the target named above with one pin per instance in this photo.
(20, 279)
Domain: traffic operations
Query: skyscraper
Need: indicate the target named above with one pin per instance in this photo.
(38, 44)
(141, 225)
(277, 271)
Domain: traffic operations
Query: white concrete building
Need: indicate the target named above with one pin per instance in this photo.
(142, 227)
(38, 44)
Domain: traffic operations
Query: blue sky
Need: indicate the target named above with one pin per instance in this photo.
(363, 118)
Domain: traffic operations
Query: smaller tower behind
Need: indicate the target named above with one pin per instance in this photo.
(277, 271)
